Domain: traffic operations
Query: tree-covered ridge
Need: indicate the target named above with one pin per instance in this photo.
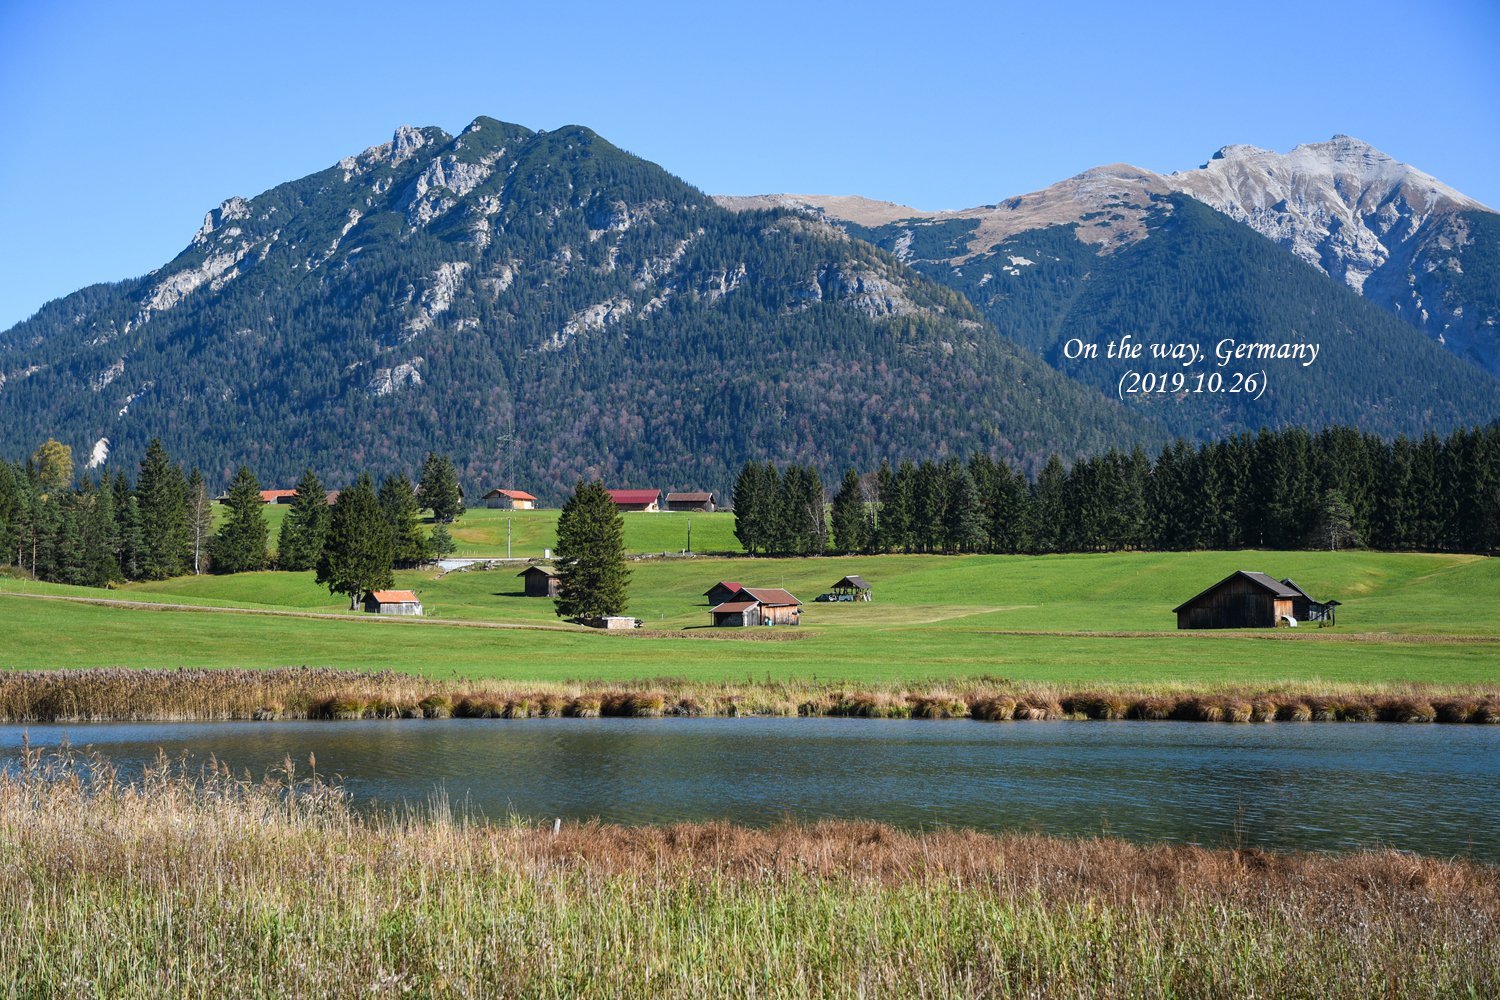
(546, 290)
(1202, 277)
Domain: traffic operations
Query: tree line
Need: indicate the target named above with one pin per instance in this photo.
(106, 530)
(1284, 489)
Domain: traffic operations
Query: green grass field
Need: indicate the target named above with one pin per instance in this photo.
(482, 532)
(933, 618)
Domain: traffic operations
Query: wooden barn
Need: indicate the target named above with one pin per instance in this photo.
(1306, 608)
(758, 606)
(646, 500)
(541, 581)
(722, 592)
(509, 500)
(703, 502)
(1240, 600)
(392, 602)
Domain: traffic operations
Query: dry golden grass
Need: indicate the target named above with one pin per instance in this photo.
(194, 883)
(167, 695)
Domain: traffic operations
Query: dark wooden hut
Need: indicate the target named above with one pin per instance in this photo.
(701, 502)
(1240, 600)
(541, 581)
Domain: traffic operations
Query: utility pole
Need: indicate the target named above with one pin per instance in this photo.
(690, 536)
(507, 538)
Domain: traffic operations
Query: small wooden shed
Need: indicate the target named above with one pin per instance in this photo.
(509, 500)
(541, 581)
(1240, 600)
(691, 501)
(758, 606)
(392, 602)
(722, 592)
(850, 588)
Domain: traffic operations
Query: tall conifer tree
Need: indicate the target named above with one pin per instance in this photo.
(356, 555)
(299, 544)
(590, 561)
(240, 545)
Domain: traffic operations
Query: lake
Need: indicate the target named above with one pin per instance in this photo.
(1316, 786)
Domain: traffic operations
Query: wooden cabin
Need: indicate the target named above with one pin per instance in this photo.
(1240, 600)
(722, 592)
(1306, 608)
(541, 581)
(850, 588)
(702, 502)
(758, 606)
(392, 602)
(644, 500)
(509, 500)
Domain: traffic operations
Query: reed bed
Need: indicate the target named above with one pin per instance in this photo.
(109, 694)
(192, 882)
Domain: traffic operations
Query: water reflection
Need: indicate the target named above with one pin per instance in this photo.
(1318, 786)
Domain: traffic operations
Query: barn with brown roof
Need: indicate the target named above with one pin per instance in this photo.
(703, 502)
(1240, 600)
(758, 606)
(722, 591)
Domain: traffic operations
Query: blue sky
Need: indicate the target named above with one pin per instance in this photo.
(121, 124)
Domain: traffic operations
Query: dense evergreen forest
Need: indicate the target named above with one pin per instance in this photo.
(107, 529)
(1286, 489)
(542, 307)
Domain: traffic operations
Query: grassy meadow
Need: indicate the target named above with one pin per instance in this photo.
(1078, 620)
(481, 532)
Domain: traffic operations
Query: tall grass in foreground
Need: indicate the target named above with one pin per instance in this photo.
(194, 883)
(105, 694)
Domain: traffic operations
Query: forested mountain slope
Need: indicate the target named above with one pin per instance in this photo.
(1164, 268)
(541, 306)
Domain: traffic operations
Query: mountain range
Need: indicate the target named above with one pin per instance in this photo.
(544, 306)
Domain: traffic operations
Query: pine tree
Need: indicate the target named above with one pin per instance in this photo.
(356, 555)
(849, 515)
(10, 514)
(161, 494)
(440, 543)
(200, 514)
(439, 490)
(399, 505)
(299, 544)
(240, 545)
(591, 569)
(750, 509)
(965, 527)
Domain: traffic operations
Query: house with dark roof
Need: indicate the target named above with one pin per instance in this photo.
(703, 502)
(850, 588)
(1240, 600)
(646, 500)
(758, 606)
(1306, 608)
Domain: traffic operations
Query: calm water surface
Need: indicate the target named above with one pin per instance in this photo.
(1320, 786)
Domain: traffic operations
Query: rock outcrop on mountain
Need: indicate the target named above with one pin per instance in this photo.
(1401, 238)
(543, 293)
